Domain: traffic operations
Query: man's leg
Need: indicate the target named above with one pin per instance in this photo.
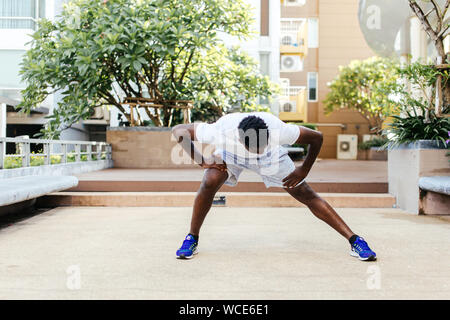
(320, 208)
(211, 183)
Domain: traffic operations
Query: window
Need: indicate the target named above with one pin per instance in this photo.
(313, 33)
(312, 86)
(10, 65)
(21, 14)
(264, 64)
(264, 68)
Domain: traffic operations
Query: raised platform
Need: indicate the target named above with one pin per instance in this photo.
(344, 184)
(330, 176)
(186, 199)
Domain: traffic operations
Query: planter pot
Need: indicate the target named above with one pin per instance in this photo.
(362, 155)
(407, 163)
(148, 147)
(376, 154)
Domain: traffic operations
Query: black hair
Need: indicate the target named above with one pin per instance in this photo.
(253, 127)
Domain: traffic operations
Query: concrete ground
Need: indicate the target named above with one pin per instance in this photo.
(258, 253)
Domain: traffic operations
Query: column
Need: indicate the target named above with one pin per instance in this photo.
(418, 40)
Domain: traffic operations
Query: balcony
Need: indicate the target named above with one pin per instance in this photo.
(26, 23)
(293, 104)
(293, 37)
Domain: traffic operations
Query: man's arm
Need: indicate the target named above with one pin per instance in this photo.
(314, 139)
(185, 135)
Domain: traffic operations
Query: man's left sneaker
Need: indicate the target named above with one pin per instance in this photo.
(361, 250)
(188, 248)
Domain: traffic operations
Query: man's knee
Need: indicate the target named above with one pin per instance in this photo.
(213, 179)
(304, 193)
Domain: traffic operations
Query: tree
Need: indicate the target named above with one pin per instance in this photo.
(436, 24)
(99, 52)
(367, 86)
(226, 78)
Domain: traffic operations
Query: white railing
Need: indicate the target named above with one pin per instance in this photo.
(292, 90)
(32, 21)
(101, 150)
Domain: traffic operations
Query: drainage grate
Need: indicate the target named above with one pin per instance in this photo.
(219, 201)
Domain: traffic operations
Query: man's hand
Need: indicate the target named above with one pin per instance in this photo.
(214, 162)
(314, 139)
(295, 177)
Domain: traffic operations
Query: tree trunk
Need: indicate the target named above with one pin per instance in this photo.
(155, 118)
(446, 97)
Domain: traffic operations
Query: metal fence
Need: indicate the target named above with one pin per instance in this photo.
(61, 148)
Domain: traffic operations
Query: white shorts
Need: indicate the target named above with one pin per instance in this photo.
(272, 173)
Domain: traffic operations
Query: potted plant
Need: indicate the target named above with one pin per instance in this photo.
(417, 137)
(418, 132)
(373, 149)
(417, 148)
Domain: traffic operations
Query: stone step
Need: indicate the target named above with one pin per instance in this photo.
(99, 185)
(229, 199)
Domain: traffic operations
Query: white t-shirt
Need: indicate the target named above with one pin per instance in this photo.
(224, 134)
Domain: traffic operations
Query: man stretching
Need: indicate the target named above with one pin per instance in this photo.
(255, 141)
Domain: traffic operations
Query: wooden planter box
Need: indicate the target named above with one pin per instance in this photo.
(378, 155)
(372, 154)
(362, 155)
(148, 147)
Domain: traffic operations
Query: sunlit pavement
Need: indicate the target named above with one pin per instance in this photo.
(258, 253)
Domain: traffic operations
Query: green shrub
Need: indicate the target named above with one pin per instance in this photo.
(55, 159)
(16, 162)
(37, 161)
(416, 126)
(417, 119)
(12, 162)
(375, 142)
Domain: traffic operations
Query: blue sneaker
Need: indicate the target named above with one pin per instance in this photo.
(361, 250)
(188, 248)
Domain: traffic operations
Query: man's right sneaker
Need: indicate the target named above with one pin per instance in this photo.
(361, 250)
(188, 248)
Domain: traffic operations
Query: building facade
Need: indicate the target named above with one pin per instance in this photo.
(316, 37)
(264, 47)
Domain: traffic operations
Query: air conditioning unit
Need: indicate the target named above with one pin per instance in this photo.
(98, 113)
(288, 106)
(347, 146)
(289, 39)
(294, 2)
(291, 63)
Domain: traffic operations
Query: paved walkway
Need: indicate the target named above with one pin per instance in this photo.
(270, 253)
(323, 170)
